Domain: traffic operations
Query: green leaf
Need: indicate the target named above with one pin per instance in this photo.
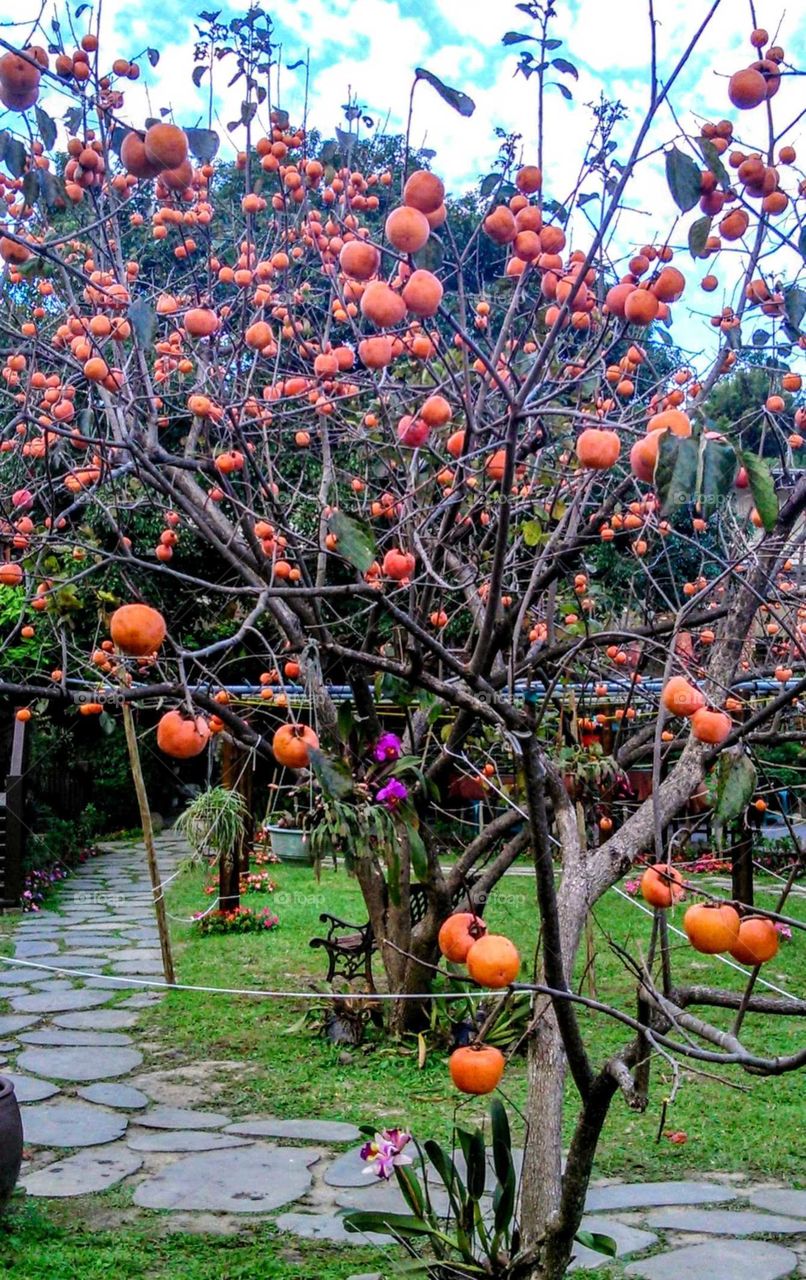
(333, 776)
(30, 188)
(719, 467)
(153, 56)
(683, 177)
(698, 234)
(736, 782)
(4, 141)
(516, 37)
(566, 67)
(711, 157)
(475, 1154)
(449, 1174)
(676, 471)
(533, 533)
(411, 1189)
(203, 143)
(419, 857)
(795, 305)
(762, 488)
(355, 542)
(454, 97)
(802, 242)
(598, 1242)
(15, 157)
(489, 184)
(405, 1224)
(345, 721)
(143, 319)
(47, 128)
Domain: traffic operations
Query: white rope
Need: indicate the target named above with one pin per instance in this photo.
(730, 963)
(237, 991)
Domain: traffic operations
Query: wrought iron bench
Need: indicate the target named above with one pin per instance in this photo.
(350, 947)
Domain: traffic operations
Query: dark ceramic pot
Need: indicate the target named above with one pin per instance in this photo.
(10, 1141)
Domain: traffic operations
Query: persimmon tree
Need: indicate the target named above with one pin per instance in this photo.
(409, 445)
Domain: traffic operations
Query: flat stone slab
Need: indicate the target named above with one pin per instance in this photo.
(184, 1140)
(13, 1022)
(323, 1226)
(71, 961)
(254, 1179)
(86, 1173)
(29, 1089)
(377, 1196)
(60, 1001)
(7, 992)
(628, 1240)
(70, 1124)
(718, 1260)
(29, 948)
(726, 1222)
(122, 1096)
(143, 1000)
(149, 968)
(349, 1170)
(646, 1195)
(61, 1037)
(80, 1064)
(296, 1130)
(61, 985)
(13, 977)
(182, 1118)
(97, 1020)
(779, 1200)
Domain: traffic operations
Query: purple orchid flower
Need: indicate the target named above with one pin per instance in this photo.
(392, 795)
(385, 1153)
(388, 748)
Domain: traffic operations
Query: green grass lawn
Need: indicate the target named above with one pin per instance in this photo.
(293, 1070)
(735, 1124)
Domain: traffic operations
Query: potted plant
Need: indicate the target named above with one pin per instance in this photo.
(283, 826)
(10, 1141)
(214, 825)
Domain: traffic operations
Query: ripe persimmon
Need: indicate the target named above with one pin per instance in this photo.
(598, 450)
(407, 229)
(476, 1068)
(424, 191)
(137, 629)
(757, 941)
(681, 698)
(711, 929)
(422, 293)
(662, 885)
(292, 745)
(493, 961)
(382, 306)
(182, 736)
(359, 259)
(458, 933)
(710, 726)
(166, 145)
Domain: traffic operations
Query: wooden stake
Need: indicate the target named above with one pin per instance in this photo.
(148, 841)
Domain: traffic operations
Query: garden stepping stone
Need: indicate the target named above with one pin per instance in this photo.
(29, 949)
(378, 1196)
(78, 1064)
(296, 1130)
(182, 1118)
(183, 1140)
(63, 1038)
(11, 1022)
(780, 1200)
(60, 1001)
(48, 984)
(29, 1089)
(142, 1000)
(646, 1195)
(628, 1240)
(6, 992)
(253, 1179)
(70, 1124)
(726, 1222)
(136, 967)
(97, 1020)
(8, 1046)
(323, 1226)
(123, 1096)
(85, 1173)
(10, 977)
(718, 1260)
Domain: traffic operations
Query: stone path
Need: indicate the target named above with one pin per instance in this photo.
(97, 1114)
